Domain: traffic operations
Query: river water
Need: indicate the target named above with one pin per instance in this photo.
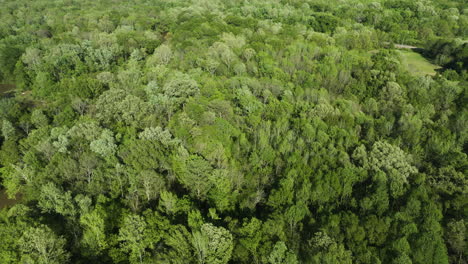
(6, 88)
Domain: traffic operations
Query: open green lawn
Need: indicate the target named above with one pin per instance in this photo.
(417, 64)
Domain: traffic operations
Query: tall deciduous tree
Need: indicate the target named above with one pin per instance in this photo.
(394, 162)
(42, 245)
(132, 237)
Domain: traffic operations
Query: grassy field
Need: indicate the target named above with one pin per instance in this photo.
(417, 64)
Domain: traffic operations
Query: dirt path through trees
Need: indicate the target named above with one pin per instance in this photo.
(402, 46)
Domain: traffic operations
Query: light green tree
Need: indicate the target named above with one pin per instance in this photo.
(281, 255)
(94, 237)
(41, 245)
(53, 199)
(161, 55)
(38, 118)
(8, 131)
(456, 237)
(132, 237)
(327, 251)
(193, 172)
(105, 144)
(213, 245)
(394, 162)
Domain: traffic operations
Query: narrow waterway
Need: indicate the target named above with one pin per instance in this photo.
(6, 89)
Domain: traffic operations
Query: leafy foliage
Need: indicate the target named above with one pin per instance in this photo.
(233, 132)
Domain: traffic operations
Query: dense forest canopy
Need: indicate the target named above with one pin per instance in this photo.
(213, 132)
